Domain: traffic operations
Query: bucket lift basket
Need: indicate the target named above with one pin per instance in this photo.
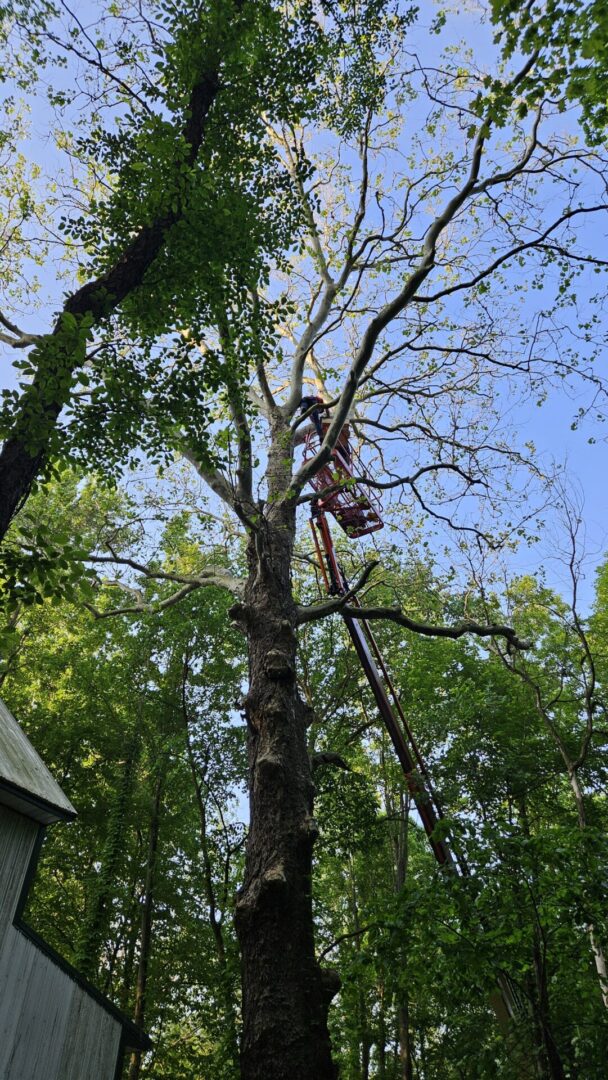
(340, 485)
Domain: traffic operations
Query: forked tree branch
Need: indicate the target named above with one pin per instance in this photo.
(400, 481)
(19, 339)
(385, 316)
(468, 626)
(538, 242)
(220, 486)
(308, 612)
(214, 578)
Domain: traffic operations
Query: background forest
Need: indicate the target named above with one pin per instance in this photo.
(139, 720)
(212, 211)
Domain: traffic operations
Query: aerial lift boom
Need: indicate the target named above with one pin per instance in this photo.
(389, 706)
(358, 513)
(339, 491)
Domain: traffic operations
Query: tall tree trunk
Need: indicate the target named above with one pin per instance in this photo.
(555, 1068)
(285, 994)
(366, 1042)
(147, 916)
(405, 1040)
(573, 765)
(131, 937)
(381, 1043)
(364, 1035)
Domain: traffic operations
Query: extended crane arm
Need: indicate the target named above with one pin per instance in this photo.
(369, 654)
(355, 510)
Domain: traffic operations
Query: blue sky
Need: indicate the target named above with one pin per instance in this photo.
(549, 426)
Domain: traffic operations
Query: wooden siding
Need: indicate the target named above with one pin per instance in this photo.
(22, 768)
(17, 838)
(50, 1028)
(92, 1037)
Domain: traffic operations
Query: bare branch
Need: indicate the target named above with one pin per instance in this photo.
(346, 937)
(216, 577)
(469, 626)
(143, 608)
(386, 315)
(20, 339)
(267, 403)
(400, 481)
(216, 481)
(537, 242)
(243, 431)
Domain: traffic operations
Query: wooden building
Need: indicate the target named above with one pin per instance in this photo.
(53, 1024)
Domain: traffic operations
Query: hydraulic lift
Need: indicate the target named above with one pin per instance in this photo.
(389, 706)
(358, 512)
(340, 492)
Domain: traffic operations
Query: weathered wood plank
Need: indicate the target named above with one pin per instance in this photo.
(15, 970)
(92, 1042)
(50, 1028)
(35, 1026)
(21, 766)
(17, 839)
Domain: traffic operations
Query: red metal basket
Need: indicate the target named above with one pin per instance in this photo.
(357, 511)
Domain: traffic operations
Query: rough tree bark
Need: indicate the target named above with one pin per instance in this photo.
(286, 995)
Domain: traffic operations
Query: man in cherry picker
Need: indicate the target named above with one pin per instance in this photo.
(355, 509)
(321, 424)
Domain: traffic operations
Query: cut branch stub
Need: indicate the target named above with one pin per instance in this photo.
(278, 666)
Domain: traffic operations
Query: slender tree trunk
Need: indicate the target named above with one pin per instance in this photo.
(423, 1062)
(599, 957)
(230, 1040)
(147, 916)
(403, 1008)
(554, 1068)
(132, 937)
(548, 1054)
(572, 768)
(366, 1043)
(405, 1041)
(401, 846)
(381, 1044)
(285, 994)
(129, 963)
(364, 1034)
